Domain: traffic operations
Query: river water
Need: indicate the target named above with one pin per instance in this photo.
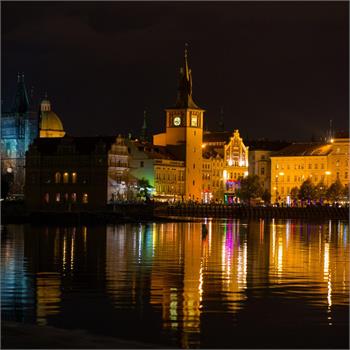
(237, 284)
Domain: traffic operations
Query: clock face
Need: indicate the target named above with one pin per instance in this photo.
(177, 121)
(194, 121)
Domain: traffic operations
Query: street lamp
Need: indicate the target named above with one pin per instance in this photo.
(327, 175)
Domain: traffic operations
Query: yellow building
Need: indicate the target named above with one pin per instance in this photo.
(50, 124)
(184, 133)
(291, 166)
(224, 163)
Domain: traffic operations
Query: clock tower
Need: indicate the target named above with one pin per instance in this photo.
(184, 128)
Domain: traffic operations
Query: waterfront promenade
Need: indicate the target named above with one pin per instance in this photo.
(13, 212)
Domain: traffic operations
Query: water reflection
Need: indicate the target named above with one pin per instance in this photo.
(171, 279)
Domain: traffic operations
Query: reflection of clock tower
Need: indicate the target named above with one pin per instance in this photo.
(184, 126)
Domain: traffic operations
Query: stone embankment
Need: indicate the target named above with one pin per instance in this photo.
(147, 212)
(229, 211)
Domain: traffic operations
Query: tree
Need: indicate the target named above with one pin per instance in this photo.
(250, 188)
(144, 189)
(294, 193)
(266, 196)
(321, 191)
(307, 190)
(335, 191)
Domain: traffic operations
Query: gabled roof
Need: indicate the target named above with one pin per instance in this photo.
(304, 149)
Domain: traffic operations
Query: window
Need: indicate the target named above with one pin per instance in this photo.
(74, 178)
(65, 178)
(66, 196)
(337, 163)
(85, 198)
(346, 175)
(288, 179)
(142, 164)
(194, 165)
(310, 166)
(46, 198)
(57, 178)
(193, 182)
(74, 197)
(58, 197)
(194, 133)
(262, 171)
(316, 166)
(322, 166)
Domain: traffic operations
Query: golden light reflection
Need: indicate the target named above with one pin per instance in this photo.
(48, 295)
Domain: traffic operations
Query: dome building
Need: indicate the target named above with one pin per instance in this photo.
(50, 124)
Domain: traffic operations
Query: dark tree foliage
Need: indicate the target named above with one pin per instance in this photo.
(335, 191)
(250, 188)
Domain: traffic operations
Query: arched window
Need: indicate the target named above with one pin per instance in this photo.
(46, 198)
(57, 178)
(65, 178)
(85, 198)
(74, 178)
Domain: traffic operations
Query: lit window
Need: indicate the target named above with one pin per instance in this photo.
(85, 198)
(57, 178)
(58, 197)
(74, 178)
(46, 198)
(65, 178)
(74, 197)
(66, 196)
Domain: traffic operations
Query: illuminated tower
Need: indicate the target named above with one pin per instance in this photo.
(19, 127)
(184, 127)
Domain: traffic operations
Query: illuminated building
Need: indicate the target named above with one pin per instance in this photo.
(324, 163)
(76, 173)
(164, 172)
(224, 164)
(259, 159)
(50, 124)
(184, 132)
(19, 128)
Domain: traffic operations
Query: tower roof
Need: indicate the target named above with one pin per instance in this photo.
(184, 91)
(21, 103)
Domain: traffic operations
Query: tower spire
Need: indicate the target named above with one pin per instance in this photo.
(143, 136)
(21, 103)
(221, 120)
(184, 91)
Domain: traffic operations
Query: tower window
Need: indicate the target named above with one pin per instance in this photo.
(65, 178)
(193, 182)
(85, 198)
(74, 178)
(58, 197)
(46, 198)
(194, 166)
(57, 178)
(74, 197)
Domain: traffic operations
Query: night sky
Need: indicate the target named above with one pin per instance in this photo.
(279, 70)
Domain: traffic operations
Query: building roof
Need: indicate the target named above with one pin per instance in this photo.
(266, 145)
(81, 145)
(154, 151)
(216, 136)
(304, 149)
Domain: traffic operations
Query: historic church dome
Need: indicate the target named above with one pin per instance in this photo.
(50, 123)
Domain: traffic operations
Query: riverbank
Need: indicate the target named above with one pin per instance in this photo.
(154, 212)
(16, 335)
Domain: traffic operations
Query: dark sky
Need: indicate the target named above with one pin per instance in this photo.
(280, 70)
